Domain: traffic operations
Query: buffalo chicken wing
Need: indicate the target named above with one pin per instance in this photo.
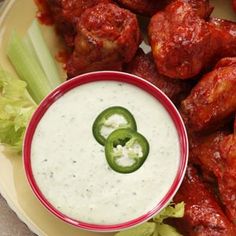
(226, 33)
(215, 155)
(183, 44)
(203, 216)
(202, 7)
(107, 36)
(205, 152)
(66, 13)
(227, 179)
(143, 65)
(144, 7)
(213, 100)
(150, 7)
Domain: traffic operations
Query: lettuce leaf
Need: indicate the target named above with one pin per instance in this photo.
(157, 227)
(16, 108)
(146, 229)
(172, 210)
(165, 230)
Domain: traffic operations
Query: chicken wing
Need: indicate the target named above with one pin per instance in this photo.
(183, 44)
(205, 152)
(143, 66)
(215, 155)
(213, 100)
(201, 7)
(66, 13)
(144, 7)
(226, 31)
(227, 179)
(150, 7)
(107, 36)
(203, 216)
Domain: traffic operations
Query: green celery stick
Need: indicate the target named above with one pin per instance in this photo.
(44, 56)
(28, 68)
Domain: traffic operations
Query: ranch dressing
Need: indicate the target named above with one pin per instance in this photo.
(70, 167)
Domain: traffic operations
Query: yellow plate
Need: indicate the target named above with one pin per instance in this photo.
(18, 15)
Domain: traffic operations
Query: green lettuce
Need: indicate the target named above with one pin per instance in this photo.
(16, 108)
(156, 227)
(146, 229)
(171, 211)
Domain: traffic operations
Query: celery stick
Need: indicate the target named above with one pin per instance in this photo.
(43, 54)
(28, 68)
(26, 40)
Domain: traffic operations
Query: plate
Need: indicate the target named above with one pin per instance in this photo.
(13, 184)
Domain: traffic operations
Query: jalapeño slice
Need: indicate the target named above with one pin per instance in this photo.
(126, 150)
(111, 119)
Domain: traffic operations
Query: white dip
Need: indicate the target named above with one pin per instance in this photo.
(70, 167)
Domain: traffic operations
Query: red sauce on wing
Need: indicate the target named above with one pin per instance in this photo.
(44, 14)
(63, 57)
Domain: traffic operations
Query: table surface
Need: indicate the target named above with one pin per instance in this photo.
(10, 225)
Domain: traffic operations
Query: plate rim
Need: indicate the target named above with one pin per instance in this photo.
(4, 11)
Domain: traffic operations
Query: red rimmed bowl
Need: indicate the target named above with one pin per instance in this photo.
(65, 166)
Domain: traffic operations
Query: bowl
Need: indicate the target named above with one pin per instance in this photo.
(68, 170)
